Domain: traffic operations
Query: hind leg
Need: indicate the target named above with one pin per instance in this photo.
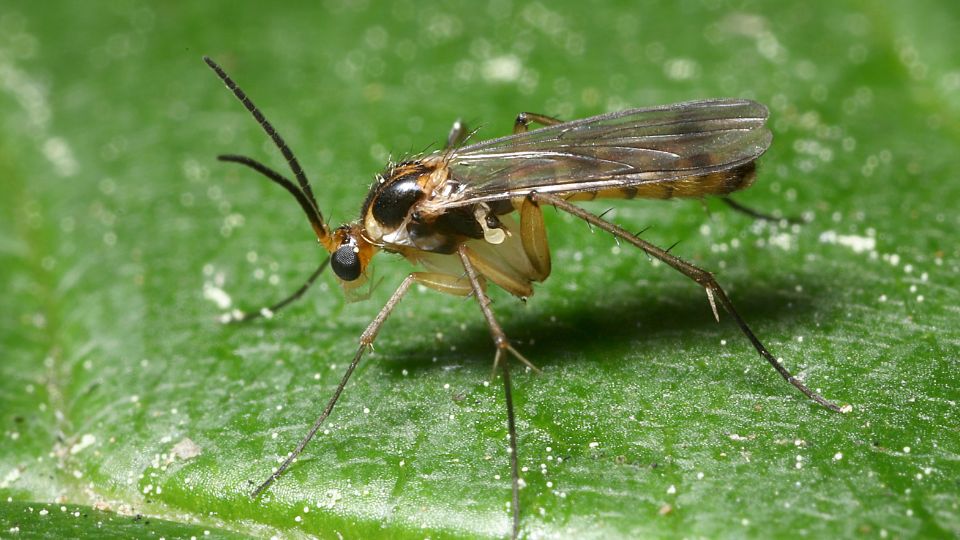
(715, 294)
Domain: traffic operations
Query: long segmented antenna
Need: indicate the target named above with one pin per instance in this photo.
(277, 140)
(316, 220)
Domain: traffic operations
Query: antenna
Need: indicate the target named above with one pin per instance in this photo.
(315, 216)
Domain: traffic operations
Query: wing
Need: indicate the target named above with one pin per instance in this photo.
(624, 149)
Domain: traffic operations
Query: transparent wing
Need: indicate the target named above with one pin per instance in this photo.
(617, 150)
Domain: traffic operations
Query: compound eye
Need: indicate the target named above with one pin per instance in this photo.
(346, 263)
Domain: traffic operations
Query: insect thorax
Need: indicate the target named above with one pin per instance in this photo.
(398, 213)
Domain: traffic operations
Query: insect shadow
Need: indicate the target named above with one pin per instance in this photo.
(566, 332)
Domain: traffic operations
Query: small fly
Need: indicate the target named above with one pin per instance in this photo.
(470, 214)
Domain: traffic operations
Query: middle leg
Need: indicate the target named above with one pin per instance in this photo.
(503, 347)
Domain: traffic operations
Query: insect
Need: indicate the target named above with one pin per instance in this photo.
(470, 214)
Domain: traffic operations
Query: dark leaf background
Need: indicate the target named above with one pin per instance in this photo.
(120, 395)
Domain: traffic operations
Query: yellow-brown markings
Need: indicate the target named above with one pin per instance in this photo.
(719, 183)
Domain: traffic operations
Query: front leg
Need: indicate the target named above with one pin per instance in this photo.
(440, 282)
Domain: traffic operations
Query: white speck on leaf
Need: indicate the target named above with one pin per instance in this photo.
(858, 244)
(186, 449)
(84, 442)
(217, 295)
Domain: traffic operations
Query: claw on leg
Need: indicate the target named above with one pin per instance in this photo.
(523, 359)
(516, 354)
(496, 363)
(713, 303)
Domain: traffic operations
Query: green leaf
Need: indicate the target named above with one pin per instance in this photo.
(120, 391)
(50, 520)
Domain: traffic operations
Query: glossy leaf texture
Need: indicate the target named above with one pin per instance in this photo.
(122, 239)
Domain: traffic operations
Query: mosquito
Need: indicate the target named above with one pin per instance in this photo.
(471, 214)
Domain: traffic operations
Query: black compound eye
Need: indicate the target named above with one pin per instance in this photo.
(346, 263)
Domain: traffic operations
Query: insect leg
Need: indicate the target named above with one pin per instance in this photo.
(756, 214)
(524, 120)
(533, 236)
(243, 316)
(705, 279)
(503, 346)
(366, 340)
(445, 283)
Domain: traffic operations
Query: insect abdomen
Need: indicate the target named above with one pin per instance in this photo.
(718, 183)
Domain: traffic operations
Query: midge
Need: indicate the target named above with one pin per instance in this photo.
(470, 214)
